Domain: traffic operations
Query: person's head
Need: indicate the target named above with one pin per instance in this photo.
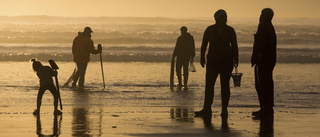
(36, 64)
(266, 15)
(87, 32)
(221, 17)
(183, 30)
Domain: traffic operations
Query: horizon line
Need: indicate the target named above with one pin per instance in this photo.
(144, 17)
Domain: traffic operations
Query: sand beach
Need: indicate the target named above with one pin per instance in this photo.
(135, 105)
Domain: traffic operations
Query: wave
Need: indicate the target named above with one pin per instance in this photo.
(108, 30)
(145, 54)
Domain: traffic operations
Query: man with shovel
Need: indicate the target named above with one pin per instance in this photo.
(81, 49)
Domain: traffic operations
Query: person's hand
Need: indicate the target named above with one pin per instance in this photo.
(191, 59)
(202, 61)
(236, 63)
(99, 48)
(172, 58)
(55, 73)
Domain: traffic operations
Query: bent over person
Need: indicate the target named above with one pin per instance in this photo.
(185, 52)
(221, 57)
(82, 47)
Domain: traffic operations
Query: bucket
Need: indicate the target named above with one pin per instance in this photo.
(236, 78)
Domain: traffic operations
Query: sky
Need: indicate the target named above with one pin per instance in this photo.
(160, 8)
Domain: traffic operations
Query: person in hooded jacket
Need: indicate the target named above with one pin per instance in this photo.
(82, 47)
(185, 52)
(263, 60)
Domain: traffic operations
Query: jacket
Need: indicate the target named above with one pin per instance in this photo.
(81, 48)
(220, 45)
(265, 44)
(185, 46)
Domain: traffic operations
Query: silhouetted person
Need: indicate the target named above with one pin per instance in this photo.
(222, 56)
(185, 52)
(81, 48)
(45, 74)
(264, 59)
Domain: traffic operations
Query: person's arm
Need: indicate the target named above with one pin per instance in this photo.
(204, 46)
(92, 49)
(192, 49)
(258, 44)
(174, 54)
(235, 50)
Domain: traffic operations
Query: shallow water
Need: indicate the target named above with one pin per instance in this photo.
(147, 84)
(137, 101)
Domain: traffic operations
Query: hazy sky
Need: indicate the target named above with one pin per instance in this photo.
(160, 8)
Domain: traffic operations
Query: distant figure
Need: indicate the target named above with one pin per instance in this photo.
(185, 52)
(45, 74)
(264, 59)
(222, 56)
(81, 49)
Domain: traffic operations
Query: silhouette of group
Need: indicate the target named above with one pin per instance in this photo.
(219, 58)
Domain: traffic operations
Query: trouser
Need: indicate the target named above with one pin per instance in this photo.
(264, 86)
(215, 67)
(81, 71)
(182, 62)
(53, 91)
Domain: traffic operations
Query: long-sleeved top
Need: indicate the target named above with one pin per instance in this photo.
(45, 74)
(81, 48)
(265, 44)
(220, 45)
(185, 46)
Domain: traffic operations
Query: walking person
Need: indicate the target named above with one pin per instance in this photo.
(263, 60)
(82, 47)
(222, 56)
(45, 74)
(185, 52)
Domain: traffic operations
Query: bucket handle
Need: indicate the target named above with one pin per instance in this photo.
(236, 69)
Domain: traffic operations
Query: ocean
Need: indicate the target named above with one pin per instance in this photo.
(136, 61)
(145, 39)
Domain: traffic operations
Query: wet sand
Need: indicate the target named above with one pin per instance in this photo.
(157, 122)
(140, 104)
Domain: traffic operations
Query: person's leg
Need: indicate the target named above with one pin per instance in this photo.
(185, 72)
(82, 71)
(267, 88)
(39, 99)
(179, 64)
(76, 77)
(225, 72)
(257, 77)
(211, 76)
(55, 95)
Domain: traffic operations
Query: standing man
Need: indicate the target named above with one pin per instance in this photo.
(185, 52)
(81, 48)
(221, 57)
(264, 58)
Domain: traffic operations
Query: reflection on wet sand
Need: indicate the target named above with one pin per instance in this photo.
(181, 114)
(80, 125)
(56, 127)
(207, 121)
(266, 125)
(83, 123)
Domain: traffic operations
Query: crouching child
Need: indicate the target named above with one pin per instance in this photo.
(45, 74)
